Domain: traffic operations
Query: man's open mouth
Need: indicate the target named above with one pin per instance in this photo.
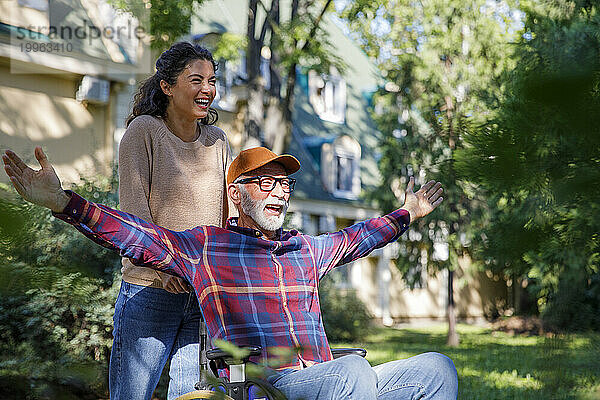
(275, 209)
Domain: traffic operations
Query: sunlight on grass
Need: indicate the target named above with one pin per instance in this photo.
(508, 379)
(495, 365)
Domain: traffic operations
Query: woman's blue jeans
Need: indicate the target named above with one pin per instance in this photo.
(152, 326)
(426, 376)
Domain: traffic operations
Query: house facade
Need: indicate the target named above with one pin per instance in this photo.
(336, 142)
(67, 73)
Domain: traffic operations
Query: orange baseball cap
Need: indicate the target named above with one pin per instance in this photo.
(256, 157)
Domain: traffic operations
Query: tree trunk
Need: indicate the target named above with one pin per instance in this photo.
(285, 137)
(255, 115)
(452, 339)
(287, 106)
(254, 119)
(275, 128)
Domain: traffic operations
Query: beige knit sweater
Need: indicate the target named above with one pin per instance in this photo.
(175, 184)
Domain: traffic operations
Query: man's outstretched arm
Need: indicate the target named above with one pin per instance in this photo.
(131, 236)
(360, 239)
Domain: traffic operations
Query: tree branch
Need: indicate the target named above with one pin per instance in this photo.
(315, 26)
(273, 23)
(267, 22)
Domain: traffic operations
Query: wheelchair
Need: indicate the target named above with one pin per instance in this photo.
(237, 386)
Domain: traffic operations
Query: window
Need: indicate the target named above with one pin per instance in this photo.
(344, 165)
(327, 94)
(327, 223)
(340, 167)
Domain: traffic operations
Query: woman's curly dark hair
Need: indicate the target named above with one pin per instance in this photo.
(151, 100)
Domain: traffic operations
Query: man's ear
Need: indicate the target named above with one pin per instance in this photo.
(165, 87)
(234, 194)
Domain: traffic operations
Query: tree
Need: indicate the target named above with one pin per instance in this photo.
(291, 41)
(167, 20)
(539, 162)
(443, 61)
(296, 41)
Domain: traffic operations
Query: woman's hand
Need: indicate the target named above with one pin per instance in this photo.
(173, 283)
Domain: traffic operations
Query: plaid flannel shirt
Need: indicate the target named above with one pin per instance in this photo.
(251, 291)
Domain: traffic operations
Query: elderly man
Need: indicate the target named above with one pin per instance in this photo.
(257, 284)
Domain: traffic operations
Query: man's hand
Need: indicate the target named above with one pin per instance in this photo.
(40, 187)
(424, 201)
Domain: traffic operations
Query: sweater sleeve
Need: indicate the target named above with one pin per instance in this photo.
(356, 241)
(135, 160)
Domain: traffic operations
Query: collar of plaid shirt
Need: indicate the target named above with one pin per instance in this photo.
(232, 225)
(251, 291)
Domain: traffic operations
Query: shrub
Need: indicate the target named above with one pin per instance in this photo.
(345, 316)
(57, 291)
(575, 305)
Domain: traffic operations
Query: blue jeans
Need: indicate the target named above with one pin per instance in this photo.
(152, 326)
(425, 376)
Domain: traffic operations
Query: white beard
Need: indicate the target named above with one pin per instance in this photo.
(255, 210)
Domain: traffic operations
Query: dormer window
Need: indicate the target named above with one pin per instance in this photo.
(340, 167)
(344, 166)
(327, 94)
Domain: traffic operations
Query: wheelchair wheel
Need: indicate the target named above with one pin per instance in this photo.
(204, 394)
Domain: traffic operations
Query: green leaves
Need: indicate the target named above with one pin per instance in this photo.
(165, 20)
(229, 47)
(505, 122)
(542, 153)
(446, 58)
(345, 317)
(57, 290)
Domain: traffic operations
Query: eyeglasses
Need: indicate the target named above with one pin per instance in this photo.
(267, 183)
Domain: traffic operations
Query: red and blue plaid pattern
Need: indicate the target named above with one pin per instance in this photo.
(251, 291)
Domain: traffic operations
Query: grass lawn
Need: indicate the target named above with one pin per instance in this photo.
(494, 365)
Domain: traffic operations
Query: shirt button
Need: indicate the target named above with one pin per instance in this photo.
(74, 211)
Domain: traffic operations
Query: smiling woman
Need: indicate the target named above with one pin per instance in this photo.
(172, 163)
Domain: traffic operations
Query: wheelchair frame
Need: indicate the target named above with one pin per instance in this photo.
(237, 386)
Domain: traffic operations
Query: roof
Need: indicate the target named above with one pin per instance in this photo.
(73, 34)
